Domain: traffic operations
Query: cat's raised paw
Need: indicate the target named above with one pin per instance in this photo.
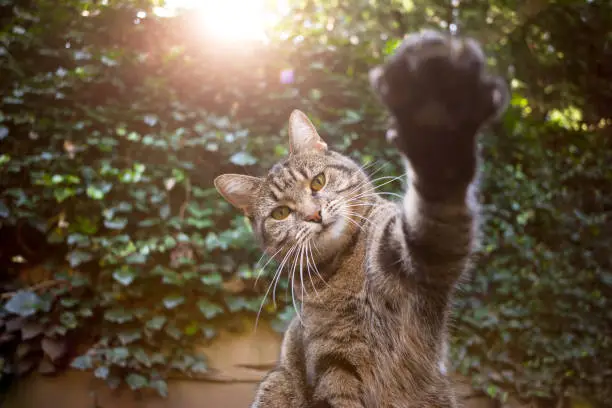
(435, 81)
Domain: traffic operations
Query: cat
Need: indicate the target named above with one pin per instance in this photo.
(375, 278)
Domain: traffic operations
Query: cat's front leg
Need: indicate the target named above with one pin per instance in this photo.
(277, 390)
(439, 96)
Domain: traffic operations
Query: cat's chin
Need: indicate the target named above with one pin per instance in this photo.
(333, 230)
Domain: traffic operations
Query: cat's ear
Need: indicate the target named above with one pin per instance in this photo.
(238, 190)
(303, 135)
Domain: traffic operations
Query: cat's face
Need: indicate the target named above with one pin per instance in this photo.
(309, 206)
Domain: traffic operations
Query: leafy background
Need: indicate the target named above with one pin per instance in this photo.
(117, 256)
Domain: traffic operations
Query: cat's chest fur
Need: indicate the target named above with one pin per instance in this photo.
(377, 333)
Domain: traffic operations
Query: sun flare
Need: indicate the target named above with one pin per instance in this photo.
(227, 20)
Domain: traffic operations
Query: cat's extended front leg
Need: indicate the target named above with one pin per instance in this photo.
(439, 97)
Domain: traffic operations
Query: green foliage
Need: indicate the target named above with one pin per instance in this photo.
(112, 129)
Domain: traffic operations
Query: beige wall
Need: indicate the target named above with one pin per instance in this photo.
(231, 383)
(238, 362)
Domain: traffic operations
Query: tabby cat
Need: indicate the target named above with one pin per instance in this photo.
(375, 278)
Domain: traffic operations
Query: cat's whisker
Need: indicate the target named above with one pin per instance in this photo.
(370, 199)
(308, 256)
(374, 188)
(302, 275)
(316, 269)
(369, 182)
(387, 179)
(276, 274)
(365, 219)
(390, 194)
(262, 256)
(360, 204)
(281, 267)
(371, 195)
(382, 166)
(348, 218)
(367, 194)
(292, 284)
(261, 269)
(365, 167)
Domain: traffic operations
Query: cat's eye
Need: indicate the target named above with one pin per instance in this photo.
(318, 182)
(280, 213)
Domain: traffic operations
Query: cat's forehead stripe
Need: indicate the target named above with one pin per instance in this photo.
(276, 195)
(284, 175)
(339, 167)
(276, 183)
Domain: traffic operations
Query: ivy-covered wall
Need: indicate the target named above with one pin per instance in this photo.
(117, 255)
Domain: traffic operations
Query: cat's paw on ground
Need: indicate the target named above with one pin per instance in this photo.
(434, 81)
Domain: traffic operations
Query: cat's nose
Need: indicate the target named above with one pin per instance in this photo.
(315, 217)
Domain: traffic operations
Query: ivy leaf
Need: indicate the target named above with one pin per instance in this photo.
(124, 276)
(7, 338)
(23, 349)
(164, 211)
(136, 258)
(69, 320)
(69, 302)
(172, 301)
(78, 257)
(150, 119)
(191, 328)
(173, 331)
(199, 368)
(183, 362)
(136, 381)
(156, 323)
(55, 349)
(243, 159)
(142, 357)
(4, 211)
(4, 132)
(46, 367)
(158, 358)
(235, 303)
(118, 315)
(57, 329)
(129, 337)
(118, 355)
(102, 372)
(62, 194)
(85, 312)
(14, 324)
(82, 363)
(24, 366)
(212, 279)
(160, 386)
(31, 330)
(116, 224)
(23, 303)
(208, 332)
(95, 193)
(149, 222)
(208, 309)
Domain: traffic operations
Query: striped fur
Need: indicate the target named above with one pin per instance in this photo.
(375, 278)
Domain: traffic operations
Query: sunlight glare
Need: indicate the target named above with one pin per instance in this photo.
(226, 20)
